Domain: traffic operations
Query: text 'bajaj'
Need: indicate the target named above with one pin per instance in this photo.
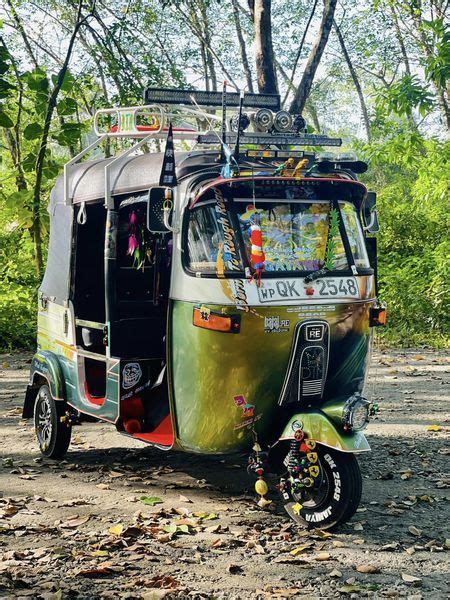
(214, 300)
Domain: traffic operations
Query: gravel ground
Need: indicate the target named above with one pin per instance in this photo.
(79, 529)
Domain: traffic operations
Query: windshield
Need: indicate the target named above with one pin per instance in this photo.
(297, 236)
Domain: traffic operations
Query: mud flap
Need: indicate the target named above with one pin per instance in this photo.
(318, 427)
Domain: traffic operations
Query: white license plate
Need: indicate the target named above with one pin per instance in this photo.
(280, 290)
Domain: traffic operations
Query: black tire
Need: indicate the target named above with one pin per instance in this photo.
(52, 434)
(338, 496)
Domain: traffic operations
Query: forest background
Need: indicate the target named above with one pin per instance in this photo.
(373, 72)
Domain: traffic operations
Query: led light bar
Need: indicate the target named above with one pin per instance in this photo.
(203, 98)
(276, 139)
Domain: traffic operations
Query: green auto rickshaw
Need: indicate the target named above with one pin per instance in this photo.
(214, 296)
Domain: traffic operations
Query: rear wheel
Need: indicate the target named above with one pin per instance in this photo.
(335, 496)
(52, 433)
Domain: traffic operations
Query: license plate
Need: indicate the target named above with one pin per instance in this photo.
(294, 289)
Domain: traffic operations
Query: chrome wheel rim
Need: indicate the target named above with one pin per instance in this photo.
(44, 425)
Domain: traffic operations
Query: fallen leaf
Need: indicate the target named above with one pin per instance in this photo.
(184, 499)
(103, 486)
(116, 529)
(300, 549)
(335, 573)
(367, 569)
(358, 527)
(151, 500)
(407, 474)
(416, 581)
(414, 530)
(75, 521)
(162, 581)
(349, 589)
(434, 428)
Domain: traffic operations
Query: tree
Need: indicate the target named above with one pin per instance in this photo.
(264, 55)
(304, 87)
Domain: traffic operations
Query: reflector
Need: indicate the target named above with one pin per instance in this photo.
(206, 319)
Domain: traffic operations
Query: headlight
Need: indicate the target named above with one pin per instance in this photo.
(355, 415)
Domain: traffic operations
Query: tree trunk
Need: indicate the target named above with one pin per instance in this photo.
(265, 64)
(299, 51)
(304, 88)
(311, 110)
(240, 37)
(36, 205)
(401, 43)
(355, 79)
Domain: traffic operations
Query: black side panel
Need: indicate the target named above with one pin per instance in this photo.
(308, 364)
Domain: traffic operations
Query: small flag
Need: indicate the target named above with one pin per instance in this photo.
(168, 177)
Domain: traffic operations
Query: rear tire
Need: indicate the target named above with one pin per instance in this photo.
(52, 434)
(338, 496)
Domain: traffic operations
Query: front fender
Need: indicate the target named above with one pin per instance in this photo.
(319, 427)
(45, 365)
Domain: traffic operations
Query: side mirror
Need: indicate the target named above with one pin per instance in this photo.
(369, 213)
(156, 208)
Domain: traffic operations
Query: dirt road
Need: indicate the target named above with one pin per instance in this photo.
(79, 529)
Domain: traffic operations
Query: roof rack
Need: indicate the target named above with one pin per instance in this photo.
(194, 117)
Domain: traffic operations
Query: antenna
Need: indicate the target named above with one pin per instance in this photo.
(224, 120)
(236, 148)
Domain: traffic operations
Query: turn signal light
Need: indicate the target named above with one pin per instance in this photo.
(207, 319)
(377, 316)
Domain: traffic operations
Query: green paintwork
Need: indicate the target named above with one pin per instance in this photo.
(46, 363)
(209, 369)
(317, 426)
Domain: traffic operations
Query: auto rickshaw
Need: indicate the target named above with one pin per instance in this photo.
(216, 298)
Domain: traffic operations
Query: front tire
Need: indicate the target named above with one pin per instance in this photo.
(53, 435)
(335, 499)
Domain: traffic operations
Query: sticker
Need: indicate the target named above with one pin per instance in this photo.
(274, 324)
(297, 507)
(297, 424)
(314, 333)
(311, 444)
(248, 422)
(204, 313)
(131, 375)
(248, 410)
(312, 457)
(314, 471)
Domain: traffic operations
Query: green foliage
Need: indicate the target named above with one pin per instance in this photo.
(402, 97)
(411, 177)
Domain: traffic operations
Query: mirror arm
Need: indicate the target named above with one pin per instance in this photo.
(372, 221)
(167, 208)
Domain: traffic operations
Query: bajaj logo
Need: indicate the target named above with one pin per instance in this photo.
(131, 375)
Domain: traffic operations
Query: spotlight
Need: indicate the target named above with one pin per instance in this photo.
(239, 124)
(298, 124)
(262, 119)
(282, 121)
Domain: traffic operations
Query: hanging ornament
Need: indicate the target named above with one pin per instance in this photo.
(257, 256)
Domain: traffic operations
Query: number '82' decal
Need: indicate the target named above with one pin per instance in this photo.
(338, 287)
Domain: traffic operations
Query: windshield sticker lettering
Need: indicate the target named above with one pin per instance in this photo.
(274, 324)
(292, 290)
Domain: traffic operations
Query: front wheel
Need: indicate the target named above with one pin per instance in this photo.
(53, 433)
(334, 497)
